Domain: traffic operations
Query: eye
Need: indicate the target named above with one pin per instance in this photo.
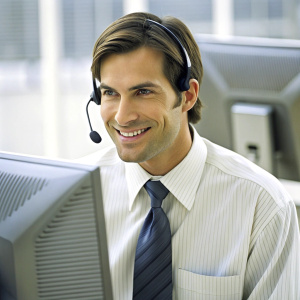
(109, 93)
(143, 92)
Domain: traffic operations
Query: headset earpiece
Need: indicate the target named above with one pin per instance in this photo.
(96, 96)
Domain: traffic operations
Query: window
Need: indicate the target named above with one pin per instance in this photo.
(188, 10)
(19, 29)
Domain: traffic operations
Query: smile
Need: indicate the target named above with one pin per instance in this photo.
(133, 133)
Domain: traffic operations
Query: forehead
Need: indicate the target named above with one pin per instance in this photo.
(143, 62)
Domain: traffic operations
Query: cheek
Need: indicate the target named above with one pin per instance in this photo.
(106, 113)
(102, 112)
(173, 122)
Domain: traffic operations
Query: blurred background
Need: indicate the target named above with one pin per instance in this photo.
(45, 58)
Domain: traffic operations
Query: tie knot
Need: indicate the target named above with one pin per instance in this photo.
(157, 192)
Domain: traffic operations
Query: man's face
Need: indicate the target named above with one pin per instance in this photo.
(138, 107)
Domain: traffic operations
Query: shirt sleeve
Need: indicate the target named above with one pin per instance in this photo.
(273, 267)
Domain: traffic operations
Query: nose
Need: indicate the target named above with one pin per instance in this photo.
(127, 112)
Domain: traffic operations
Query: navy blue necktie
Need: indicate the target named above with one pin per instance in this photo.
(153, 257)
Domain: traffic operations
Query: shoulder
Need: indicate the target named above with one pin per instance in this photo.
(232, 164)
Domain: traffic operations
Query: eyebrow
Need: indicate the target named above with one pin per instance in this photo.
(136, 87)
(106, 87)
(144, 85)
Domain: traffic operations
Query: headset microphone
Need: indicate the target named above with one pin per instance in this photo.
(94, 135)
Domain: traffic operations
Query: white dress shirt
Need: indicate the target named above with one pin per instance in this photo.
(234, 228)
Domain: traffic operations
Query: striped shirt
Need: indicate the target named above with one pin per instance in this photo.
(234, 228)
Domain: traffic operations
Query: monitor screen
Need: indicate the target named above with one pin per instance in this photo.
(52, 230)
(251, 96)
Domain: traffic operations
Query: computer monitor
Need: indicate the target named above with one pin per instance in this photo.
(251, 96)
(52, 230)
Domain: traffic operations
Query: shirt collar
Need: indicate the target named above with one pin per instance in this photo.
(182, 181)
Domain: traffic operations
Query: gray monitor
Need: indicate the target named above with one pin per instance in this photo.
(52, 231)
(251, 96)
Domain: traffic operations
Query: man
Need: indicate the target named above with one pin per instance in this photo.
(233, 227)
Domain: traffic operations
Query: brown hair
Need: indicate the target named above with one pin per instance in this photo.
(132, 31)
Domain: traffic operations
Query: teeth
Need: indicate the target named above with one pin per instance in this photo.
(134, 133)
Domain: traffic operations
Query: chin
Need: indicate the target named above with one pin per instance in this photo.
(133, 157)
(129, 157)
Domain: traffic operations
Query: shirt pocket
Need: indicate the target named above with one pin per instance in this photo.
(195, 286)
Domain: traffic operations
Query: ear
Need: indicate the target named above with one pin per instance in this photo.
(190, 96)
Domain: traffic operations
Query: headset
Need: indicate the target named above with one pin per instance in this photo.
(182, 84)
